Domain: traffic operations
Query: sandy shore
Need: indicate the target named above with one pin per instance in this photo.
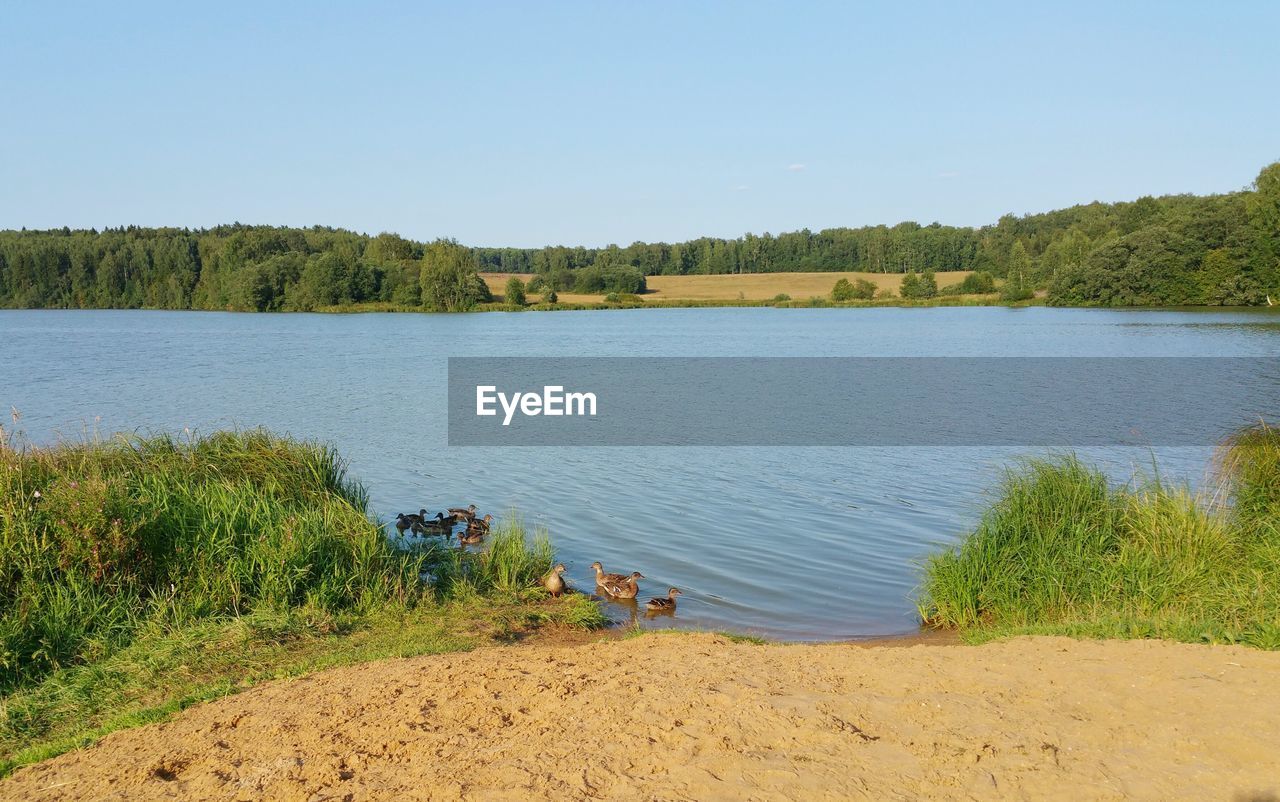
(698, 717)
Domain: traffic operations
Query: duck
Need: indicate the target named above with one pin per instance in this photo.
(479, 526)
(603, 579)
(404, 522)
(626, 589)
(468, 538)
(664, 604)
(553, 582)
(439, 525)
(463, 513)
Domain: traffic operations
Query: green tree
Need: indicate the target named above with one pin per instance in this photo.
(515, 292)
(448, 278)
(1017, 284)
(928, 284)
(1262, 206)
(842, 291)
(910, 287)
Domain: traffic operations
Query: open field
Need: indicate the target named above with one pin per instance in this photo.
(747, 286)
(671, 716)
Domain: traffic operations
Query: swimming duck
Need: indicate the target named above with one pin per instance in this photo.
(603, 579)
(463, 513)
(479, 526)
(553, 582)
(404, 522)
(469, 538)
(663, 605)
(438, 525)
(624, 590)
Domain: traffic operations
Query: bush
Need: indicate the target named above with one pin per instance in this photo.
(780, 297)
(976, 283)
(515, 292)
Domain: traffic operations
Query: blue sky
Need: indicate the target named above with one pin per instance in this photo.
(589, 123)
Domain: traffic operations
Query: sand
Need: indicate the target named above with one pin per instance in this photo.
(699, 717)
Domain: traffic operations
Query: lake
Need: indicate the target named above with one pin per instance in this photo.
(798, 543)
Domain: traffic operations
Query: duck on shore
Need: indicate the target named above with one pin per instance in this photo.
(554, 582)
(626, 589)
(661, 604)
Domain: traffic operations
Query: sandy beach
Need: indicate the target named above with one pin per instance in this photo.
(702, 717)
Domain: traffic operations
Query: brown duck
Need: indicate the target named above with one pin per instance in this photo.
(626, 589)
(603, 579)
(554, 582)
(479, 526)
(661, 604)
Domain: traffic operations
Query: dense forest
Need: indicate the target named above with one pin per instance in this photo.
(1179, 249)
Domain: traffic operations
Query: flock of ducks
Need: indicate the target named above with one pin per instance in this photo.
(615, 586)
(417, 523)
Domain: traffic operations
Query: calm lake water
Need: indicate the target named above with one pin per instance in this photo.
(794, 543)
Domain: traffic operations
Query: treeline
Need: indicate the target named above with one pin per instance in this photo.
(1179, 249)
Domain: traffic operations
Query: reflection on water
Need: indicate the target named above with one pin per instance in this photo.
(800, 543)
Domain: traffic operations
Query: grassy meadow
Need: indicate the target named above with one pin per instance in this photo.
(734, 287)
(1061, 551)
(141, 575)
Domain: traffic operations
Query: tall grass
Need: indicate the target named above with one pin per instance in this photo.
(1063, 551)
(99, 538)
(113, 551)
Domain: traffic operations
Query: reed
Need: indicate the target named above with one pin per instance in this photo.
(141, 574)
(1062, 551)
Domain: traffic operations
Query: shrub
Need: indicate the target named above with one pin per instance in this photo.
(515, 292)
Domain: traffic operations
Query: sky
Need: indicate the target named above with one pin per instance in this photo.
(528, 124)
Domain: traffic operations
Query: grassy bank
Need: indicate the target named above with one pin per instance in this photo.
(1061, 551)
(139, 576)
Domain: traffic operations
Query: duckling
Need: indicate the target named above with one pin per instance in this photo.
(603, 579)
(624, 590)
(663, 605)
(479, 526)
(553, 582)
(461, 514)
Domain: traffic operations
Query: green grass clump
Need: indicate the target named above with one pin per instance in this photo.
(1061, 551)
(99, 539)
(144, 574)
